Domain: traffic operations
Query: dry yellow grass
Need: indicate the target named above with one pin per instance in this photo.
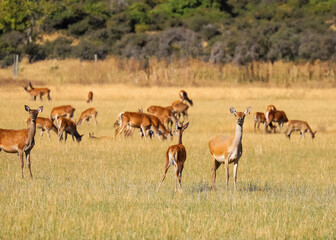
(106, 189)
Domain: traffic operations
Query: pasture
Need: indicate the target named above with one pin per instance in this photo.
(107, 189)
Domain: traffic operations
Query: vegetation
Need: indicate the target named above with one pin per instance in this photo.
(107, 190)
(218, 31)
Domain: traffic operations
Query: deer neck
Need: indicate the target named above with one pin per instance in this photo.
(179, 137)
(31, 131)
(238, 136)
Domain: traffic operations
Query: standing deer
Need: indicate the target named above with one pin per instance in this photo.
(176, 155)
(259, 117)
(35, 92)
(21, 141)
(68, 127)
(277, 116)
(62, 111)
(298, 125)
(45, 124)
(269, 108)
(228, 150)
(86, 115)
(90, 97)
(180, 108)
(184, 96)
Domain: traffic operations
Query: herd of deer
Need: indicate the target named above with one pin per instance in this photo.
(159, 121)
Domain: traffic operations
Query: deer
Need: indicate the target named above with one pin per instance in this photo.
(45, 124)
(269, 108)
(298, 125)
(92, 136)
(226, 150)
(90, 97)
(277, 116)
(165, 114)
(62, 111)
(180, 108)
(259, 117)
(184, 97)
(21, 141)
(68, 127)
(86, 115)
(176, 155)
(35, 92)
(138, 120)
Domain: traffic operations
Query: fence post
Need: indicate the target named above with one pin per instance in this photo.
(16, 65)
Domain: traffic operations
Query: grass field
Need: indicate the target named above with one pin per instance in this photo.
(107, 189)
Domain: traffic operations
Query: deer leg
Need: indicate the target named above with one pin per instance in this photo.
(48, 134)
(166, 167)
(28, 163)
(41, 133)
(214, 168)
(179, 176)
(289, 133)
(95, 121)
(41, 96)
(60, 135)
(235, 174)
(22, 162)
(255, 124)
(34, 98)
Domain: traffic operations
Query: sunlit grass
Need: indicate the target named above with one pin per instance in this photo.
(107, 189)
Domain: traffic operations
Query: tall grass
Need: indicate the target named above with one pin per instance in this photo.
(107, 189)
(177, 73)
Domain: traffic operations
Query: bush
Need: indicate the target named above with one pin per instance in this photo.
(59, 49)
(86, 50)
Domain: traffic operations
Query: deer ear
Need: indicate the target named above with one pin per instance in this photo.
(232, 110)
(27, 108)
(247, 111)
(185, 126)
(40, 109)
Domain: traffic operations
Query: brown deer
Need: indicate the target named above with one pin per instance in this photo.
(184, 96)
(228, 150)
(68, 127)
(86, 115)
(21, 141)
(277, 116)
(180, 108)
(137, 120)
(298, 125)
(259, 117)
(92, 136)
(35, 92)
(165, 114)
(45, 124)
(269, 108)
(176, 155)
(90, 97)
(62, 111)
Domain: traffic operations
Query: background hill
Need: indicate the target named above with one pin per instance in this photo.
(218, 31)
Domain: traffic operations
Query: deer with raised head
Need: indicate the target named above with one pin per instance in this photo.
(165, 114)
(21, 141)
(137, 120)
(226, 150)
(62, 111)
(45, 124)
(180, 108)
(259, 117)
(184, 96)
(86, 115)
(37, 92)
(90, 97)
(176, 155)
(298, 125)
(68, 127)
(277, 116)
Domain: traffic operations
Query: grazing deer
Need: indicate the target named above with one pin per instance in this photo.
(180, 108)
(228, 150)
(165, 114)
(45, 124)
(86, 115)
(62, 111)
(68, 127)
(158, 124)
(298, 125)
(35, 92)
(176, 155)
(184, 96)
(259, 117)
(137, 120)
(21, 141)
(277, 116)
(90, 97)
(92, 136)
